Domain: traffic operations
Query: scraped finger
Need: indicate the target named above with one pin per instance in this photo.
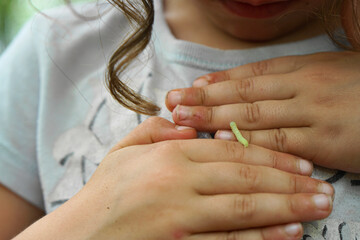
(279, 65)
(268, 87)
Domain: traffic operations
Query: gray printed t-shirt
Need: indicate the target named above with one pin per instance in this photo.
(58, 120)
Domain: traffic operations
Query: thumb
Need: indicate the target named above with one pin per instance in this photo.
(155, 129)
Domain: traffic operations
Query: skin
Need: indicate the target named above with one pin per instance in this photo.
(165, 182)
(16, 213)
(208, 23)
(258, 29)
(218, 198)
(303, 105)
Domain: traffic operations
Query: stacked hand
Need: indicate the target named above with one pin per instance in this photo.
(303, 105)
(161, 183)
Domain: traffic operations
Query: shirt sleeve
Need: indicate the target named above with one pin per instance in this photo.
(19, 94)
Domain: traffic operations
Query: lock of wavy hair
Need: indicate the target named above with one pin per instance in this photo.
(141, 14)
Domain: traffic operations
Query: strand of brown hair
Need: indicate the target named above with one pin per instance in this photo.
(331, 18)
(141, 14)
(143, 17)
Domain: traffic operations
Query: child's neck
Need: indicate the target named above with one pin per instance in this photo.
(188, 23)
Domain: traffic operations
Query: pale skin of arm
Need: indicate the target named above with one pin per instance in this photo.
(155, 186)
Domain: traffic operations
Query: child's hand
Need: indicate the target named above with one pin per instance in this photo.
(191, 189)
(303, 105)
(188, 189)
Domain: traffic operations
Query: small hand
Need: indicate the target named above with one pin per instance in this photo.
(302, 105)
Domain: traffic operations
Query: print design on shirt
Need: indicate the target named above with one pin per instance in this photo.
(336, 177)
(72, 152)
(80, 149)
(331, 230)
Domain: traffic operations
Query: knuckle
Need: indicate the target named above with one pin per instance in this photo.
(291, 205)
(295, 62)
(260, 68)
(263, 234)
(244, 88)
(319, 72)
(244, 207)
(293, 185)
(152, 121)
(210, 116)
(332, 131)
(251, 177)
(167, 174)
(203, 95)
(278, 139)
(165, 147)
(233, 235)
(248, 135)
(252, 113)
(234, 151)
(164, 181)
(227, 75)
(274, 160)
(326, 101)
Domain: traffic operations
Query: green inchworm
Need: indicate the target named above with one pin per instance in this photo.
(238, 135)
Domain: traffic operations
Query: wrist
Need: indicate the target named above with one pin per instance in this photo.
(79, 218)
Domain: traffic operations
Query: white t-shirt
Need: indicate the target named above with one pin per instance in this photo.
(58, 120)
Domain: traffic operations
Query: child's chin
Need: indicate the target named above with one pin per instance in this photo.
(262, 33)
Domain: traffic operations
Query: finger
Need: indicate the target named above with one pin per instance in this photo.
(227, 178)
(297, 141)
(210, 150)
(269, 87)
(155, 129)
(283, 232)
(278, 65)
(234, 211)
(248, 116)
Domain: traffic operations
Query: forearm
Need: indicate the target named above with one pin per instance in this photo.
(76, 219)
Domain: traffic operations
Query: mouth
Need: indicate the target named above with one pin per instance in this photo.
(256, 9)
(259, 2)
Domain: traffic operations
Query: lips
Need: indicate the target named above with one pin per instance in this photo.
(256, 9)
(259, 2)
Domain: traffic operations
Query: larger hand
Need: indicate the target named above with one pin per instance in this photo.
(303, 105)
(188, 189)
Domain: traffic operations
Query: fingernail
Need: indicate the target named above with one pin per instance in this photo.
(306, 167)
(322, 201)
(293, 229)
(224, 135)
(182, 112)
(174, 98)
(181, 128)
(200, 82)
(326, 188)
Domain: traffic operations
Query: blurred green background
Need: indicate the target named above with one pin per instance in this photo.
(14, 13)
